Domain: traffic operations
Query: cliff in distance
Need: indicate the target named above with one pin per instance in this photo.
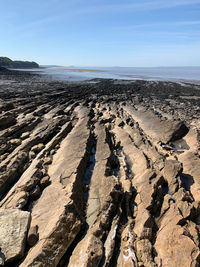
(8, 63)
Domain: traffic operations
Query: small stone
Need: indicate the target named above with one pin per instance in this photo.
(35, 193)
(31, 155)
(30, 184)
(33, 236)
(6, 154)
(44, 172)
(25, 135)
(52, 152)
(121, 124)
(45, 181)
(39, 164)
(21, 203)
(126, 253)
(39, 174)
(167, 147)
(15, 142)
(86, 188)
(22, 199)
(37, 148)
(47, 161)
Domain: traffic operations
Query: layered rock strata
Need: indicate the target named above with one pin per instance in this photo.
(102, 174)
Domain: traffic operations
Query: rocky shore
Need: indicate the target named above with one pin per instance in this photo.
(101, 173)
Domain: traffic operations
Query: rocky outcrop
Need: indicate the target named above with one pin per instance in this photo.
(108, 173)
(14, 225)
(158, 130)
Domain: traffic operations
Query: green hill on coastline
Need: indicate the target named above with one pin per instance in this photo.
(8, 63)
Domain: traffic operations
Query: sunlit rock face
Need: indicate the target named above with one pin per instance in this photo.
(14, 225)
(98, 174)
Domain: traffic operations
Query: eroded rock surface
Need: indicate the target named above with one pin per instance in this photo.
(107, 171)
(14, 225)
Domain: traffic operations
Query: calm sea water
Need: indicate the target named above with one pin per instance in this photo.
(127, 73)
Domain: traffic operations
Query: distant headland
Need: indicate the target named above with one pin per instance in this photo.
(8, 63)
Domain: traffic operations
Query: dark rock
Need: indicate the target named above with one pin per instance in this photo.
(7, 120)
(33, 236)
(180, 131)
(45, 181)
(35, 193)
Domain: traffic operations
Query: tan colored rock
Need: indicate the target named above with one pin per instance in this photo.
(174, 248)
(10, 169)
(144, 252)
(97, 231)
(100, 184)
(171, 173)
(103, 197)
(191, 171)
(37, 148)
(191, 140)
(109, 244)
(157, 129)
(143, 223)
(14, 226)
(58, 212)
(172, 169)
(136, 194)
(31, 155)
(25, 135)
(18, 201)
(135, 157)
(88, 255)
(30, 176)
(45, 181)
(47, 160)
(15, 142)
(156, 160)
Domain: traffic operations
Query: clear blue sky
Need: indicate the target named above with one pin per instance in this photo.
(102, 32)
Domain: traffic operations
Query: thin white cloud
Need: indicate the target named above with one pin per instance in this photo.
(73, 9)
(186, 23)
(148, 26)
(77, 7)
(137, 5)
(160, 4)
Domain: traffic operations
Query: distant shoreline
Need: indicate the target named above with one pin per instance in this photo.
(86, 70)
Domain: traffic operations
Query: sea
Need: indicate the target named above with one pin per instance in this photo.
(79, 74)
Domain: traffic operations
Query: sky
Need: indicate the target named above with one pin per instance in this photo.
(132, 33)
